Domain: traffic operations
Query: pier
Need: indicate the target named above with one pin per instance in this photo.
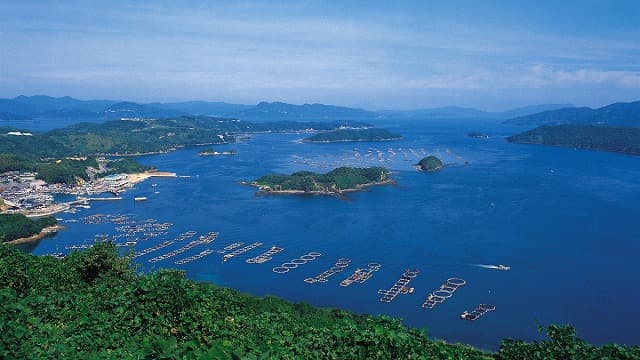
(265, 256)
(361, 275)
(241, 251)
(400, 286)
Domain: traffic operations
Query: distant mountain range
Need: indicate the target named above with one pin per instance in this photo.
(455, 112)
(617, 114)
(46, 107)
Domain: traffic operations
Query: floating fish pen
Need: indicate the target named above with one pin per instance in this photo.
(230, 247)
(77, 247)
(194, 257)
(478, 312)
(339, 267)
(294, 263)
(201, 241)
(153, 248)
(265, 256)
(445, 291)
(241, 251)
(126, 244)
(186, 235)
(400, 287)
(360, 275)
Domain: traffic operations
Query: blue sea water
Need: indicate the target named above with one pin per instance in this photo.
(565, 220)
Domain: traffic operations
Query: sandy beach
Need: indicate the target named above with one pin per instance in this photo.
(139, 177)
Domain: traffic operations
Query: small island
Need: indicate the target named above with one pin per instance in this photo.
(345, 135)
(211, 152)
(605, 138)
(477, 135)
(429, 163)
(335, 182)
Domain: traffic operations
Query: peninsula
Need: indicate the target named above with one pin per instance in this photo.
(625, 140)
(429, 163)
(335, 182)
(345, 135)
(17, 228)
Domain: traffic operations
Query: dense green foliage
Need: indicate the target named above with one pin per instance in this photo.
(616, 139)
(342, 135)
(50, 170)
(337, 180)
(563, 344)
(92, 305)
(430, 163)
(65, 171)
(16, 226)
(125, 166)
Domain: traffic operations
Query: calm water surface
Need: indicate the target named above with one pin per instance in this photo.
(565, 220)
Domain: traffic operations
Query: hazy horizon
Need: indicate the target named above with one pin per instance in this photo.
(372, 55)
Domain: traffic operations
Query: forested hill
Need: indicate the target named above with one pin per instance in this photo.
(344, 135)
(128, 137)
(93, 305)
(618, 114)
(616, 139)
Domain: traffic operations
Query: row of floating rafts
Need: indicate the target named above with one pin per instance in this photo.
(265, 256)
(360, 275)
(339, 266)
(78, 246)
(126, 244)
(194, 257)
(241, 251)
(294, 263)
(445, 291)
(153, 248)
(230, 247)
(186, 235)
(201, 241)
(478, 312)
(399, 287)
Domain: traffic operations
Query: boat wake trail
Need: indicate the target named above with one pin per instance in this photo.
(494, 267)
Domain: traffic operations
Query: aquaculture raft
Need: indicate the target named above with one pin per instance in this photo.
(285, 267)
(194, 257)
(265, 256)
(201, 241)
(446, 291)
(241, 250)
(400, 287)
(338, 267)
(360, 275)
(230, 247)
(478, 312)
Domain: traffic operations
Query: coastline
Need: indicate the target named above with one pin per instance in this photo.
(39, 236)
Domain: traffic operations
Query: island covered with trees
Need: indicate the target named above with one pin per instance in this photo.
(94, 304)
(624, 140)
(18, 226)
(345, 135)
(335, 182)
(429, 163)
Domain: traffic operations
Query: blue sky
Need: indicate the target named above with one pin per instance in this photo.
(491, 55)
